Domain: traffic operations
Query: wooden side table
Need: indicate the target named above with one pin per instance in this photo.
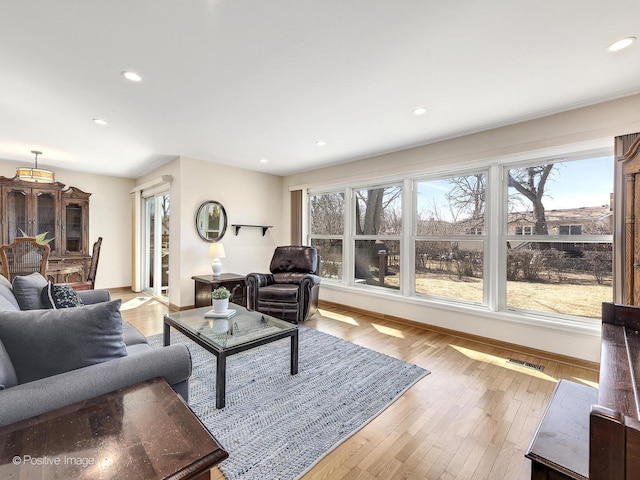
(205, 284)
(143, 432)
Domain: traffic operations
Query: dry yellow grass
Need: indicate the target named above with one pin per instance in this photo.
(581, 298)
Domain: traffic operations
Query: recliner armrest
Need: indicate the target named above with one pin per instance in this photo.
(259, 279)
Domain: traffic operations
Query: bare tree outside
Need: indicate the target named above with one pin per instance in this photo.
(377, 213)
(530, 182)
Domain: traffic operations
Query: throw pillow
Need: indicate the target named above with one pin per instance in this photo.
(7, 372)
(27, 289)
(60, 296)
(43, 343)
(7, 298)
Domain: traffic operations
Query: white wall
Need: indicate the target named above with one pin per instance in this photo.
(248, 197)
(109, 218)
(590, 125)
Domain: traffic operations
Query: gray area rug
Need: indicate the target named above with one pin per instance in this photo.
(278, 426)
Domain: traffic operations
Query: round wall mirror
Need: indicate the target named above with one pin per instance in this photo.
(211, 221)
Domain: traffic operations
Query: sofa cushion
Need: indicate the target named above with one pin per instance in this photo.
(60, 296)
(47, 342)
(131, 335)
(27, 290)
(7, 305)
(5, 282)
(8, 377)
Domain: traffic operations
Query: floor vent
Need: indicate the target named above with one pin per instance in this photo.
(522, 363)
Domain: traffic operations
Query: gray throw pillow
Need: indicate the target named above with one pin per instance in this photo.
(7, 298)
(8, 377)
(27, 290)
(42, 343)
(60, 296)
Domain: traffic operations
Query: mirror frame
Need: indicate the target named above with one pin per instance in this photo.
(204, 210)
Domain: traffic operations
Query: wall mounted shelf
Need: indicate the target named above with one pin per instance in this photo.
(264, 228)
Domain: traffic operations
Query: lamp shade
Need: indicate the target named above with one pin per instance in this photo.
(36, 175)
(216, 250)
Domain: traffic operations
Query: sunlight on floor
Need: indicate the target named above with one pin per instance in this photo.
(392, 332)
(137, 302)
(337, 316)
(501, 362)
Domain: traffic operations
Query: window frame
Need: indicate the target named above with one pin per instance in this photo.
(493, 235)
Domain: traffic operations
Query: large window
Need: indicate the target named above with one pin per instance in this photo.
(447, 262)
(326, 228)
(378, 229)
(531, 236)
(565, 264)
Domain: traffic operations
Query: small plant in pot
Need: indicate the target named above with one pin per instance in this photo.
(220, 299)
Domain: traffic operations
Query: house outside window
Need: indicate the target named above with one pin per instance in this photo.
(524, 230)
(570, 230)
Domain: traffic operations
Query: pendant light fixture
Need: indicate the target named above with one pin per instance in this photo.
(37, 175)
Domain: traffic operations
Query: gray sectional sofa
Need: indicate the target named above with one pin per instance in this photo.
(53, 357)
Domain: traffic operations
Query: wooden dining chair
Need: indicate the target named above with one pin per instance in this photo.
(23, 257)
(89, 283)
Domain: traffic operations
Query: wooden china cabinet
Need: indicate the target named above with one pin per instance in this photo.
(61, 211)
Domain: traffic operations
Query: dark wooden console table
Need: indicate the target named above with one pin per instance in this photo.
(205, 284)
(144, 432)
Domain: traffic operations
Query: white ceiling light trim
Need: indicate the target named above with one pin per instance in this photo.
(620, 44)
(100, 121)
(133, 76)
(419, 111)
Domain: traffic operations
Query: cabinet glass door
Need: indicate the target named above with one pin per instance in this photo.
(46, 217)
(73, 227)
(17, 215)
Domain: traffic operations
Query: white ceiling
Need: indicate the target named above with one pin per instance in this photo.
(235, 81)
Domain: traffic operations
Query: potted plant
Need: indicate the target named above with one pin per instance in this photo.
(220, 299)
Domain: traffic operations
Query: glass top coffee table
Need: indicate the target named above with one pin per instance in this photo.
(223, 337)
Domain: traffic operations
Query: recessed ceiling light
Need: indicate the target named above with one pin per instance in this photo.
(133, 76)
(620, 44)
(321, 143)
(419, 111)
(264, 160)
(100, 121)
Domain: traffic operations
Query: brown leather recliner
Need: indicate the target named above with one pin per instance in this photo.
(290, 291)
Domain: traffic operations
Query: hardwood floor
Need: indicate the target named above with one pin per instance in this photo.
(471, 418)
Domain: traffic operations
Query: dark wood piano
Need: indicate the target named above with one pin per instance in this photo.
(614, 427)
(588, 433)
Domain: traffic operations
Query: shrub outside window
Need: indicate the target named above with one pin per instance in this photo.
(447, 262)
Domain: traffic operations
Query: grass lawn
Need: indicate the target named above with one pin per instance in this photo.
(579, 295)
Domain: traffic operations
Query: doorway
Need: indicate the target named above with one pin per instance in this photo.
(155, 267)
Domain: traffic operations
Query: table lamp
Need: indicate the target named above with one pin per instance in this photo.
(216, 251)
